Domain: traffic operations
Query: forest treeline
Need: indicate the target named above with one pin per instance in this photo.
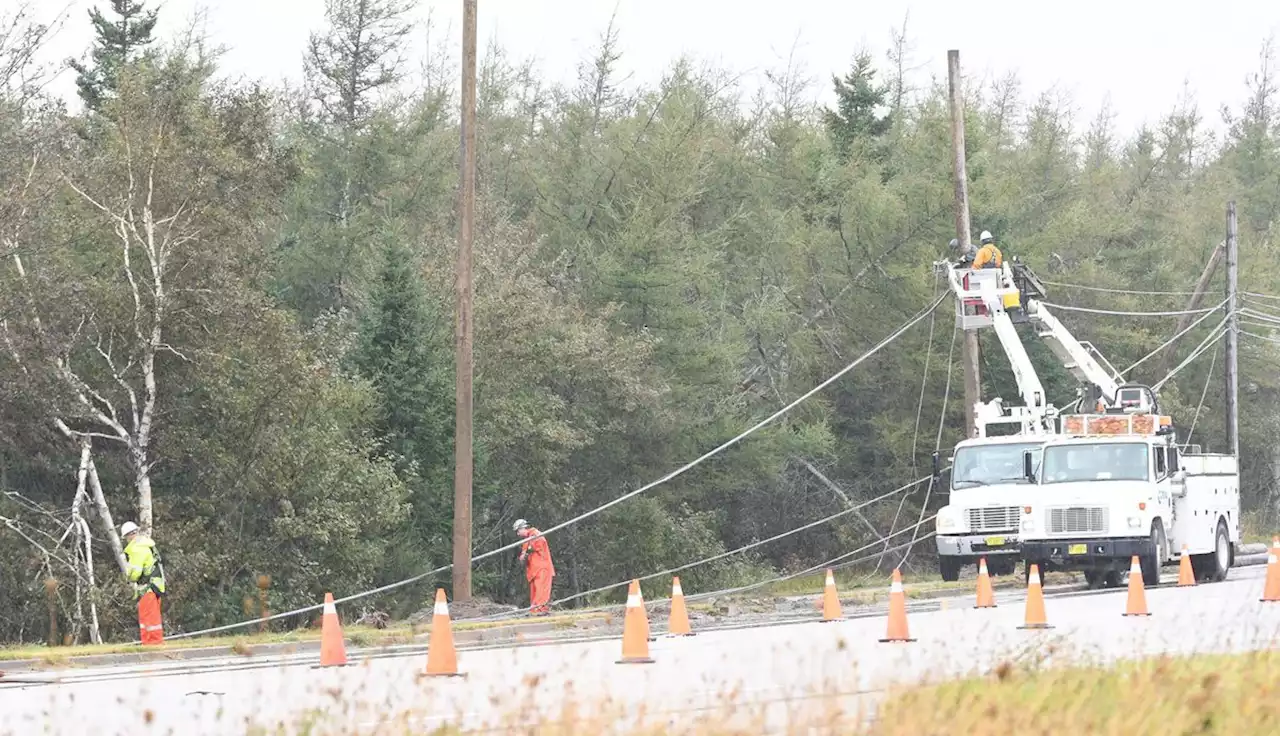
(227, 307)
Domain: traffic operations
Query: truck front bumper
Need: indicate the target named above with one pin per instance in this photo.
(978, 545)
(1084, 552)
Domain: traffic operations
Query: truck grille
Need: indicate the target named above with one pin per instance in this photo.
(993, 518)
(1077, 520)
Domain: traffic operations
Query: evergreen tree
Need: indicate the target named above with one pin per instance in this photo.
(858, 98)
(118, 43)
(402, 349)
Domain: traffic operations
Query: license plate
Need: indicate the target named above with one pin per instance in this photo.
(995, 541)
(1078, 549)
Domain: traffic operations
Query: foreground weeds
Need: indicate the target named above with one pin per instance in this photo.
(1207, 694)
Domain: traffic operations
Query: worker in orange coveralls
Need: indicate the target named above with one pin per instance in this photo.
(538, 569)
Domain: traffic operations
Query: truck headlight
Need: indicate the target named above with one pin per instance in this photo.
(1135, 522)
(945, 523)
(1028, 525)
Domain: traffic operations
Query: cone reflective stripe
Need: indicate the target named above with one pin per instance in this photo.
(442, 656)
(986, 594)
(897, 627)
(648, 632)
(1137, 604)
(831, 600)
(333, 650)
(1271, 589)
(1186, 576)
(678, 621)
(1035, 616)
(635, 629)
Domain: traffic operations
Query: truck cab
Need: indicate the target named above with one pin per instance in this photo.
(987, 488)
(1117, 484)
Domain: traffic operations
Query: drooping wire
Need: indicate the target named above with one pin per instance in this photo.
(912, 322)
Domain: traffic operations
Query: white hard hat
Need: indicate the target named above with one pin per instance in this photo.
(985, 236)
(128, 528)
(520, 524)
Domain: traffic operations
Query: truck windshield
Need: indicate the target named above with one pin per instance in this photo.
(984, 465)
(1096, 462)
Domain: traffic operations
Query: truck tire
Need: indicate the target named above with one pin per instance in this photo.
(949, 568)
(1002, 567)
(1151, 562)
(1214, 565)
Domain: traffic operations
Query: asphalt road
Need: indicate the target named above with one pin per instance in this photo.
(773, 677)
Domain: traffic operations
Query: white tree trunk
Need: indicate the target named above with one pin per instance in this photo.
(86, 540)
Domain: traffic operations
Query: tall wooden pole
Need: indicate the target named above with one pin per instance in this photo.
(1233, 335)
(466, 231)
(969, 355)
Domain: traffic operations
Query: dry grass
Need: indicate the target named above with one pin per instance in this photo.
(360, 636)
(1208, 694)
(860, 585)
(1230, 695)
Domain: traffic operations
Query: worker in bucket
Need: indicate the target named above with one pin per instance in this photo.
(538, 569)
(147, 575)
(989, 256)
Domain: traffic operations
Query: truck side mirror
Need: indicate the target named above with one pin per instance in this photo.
(937, 466)
(1028, 468)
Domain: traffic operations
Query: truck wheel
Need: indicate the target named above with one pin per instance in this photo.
(1151, 562)
(949, 568)
(1002, 567)
(1218, 562)
(1095, 579)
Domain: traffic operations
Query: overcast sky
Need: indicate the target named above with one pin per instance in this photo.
(1140, 53)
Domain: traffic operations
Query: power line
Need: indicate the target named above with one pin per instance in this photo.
(1175, 338)
(1104, 290)
(609, 504)
(937, 446)
(721, 555)
(1209, 341)
(1203, 393)
(1116, 313)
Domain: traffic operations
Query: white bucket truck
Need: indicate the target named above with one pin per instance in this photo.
(1116, 484)
(988, 488)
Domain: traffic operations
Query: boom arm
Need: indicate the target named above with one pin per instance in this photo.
(1076, 356)
(982, 296)
(1023, 371)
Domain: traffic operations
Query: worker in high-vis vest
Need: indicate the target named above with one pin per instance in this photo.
(989, 256)
(538, 568)
(147, 575)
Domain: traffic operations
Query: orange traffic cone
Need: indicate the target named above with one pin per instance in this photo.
(1035, 618)
(1186, 576)
(678, 621)
(986, 594)
(648, 633)
(1137, 604)
(442, 657)
(333, 650)
(635, 629)
(831, 600)
(897, 630)
(1271, 589)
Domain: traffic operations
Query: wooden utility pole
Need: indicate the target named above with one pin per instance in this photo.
(466, 231)
(972, 371)
(1233, 335)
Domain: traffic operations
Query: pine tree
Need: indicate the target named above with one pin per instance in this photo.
(118, 43)
(402, 350)
(858, 97)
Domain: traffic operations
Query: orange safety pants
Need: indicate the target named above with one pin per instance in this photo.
(150, 629)
(540, 591)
